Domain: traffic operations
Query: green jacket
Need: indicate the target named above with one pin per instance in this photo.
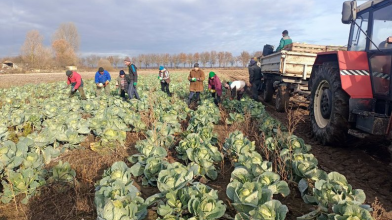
(286, 40)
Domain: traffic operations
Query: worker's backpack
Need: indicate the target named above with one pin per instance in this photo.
(268, 49)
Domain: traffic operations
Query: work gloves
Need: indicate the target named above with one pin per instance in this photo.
(135, 83)
(73, 89)
(160, 78)
(193, 80)
(212, 90)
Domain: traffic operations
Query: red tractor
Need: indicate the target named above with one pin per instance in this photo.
(351, 91)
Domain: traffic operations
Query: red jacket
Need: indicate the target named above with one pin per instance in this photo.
(76, 78)
(216, 84)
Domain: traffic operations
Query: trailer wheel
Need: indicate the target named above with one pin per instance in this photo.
(268, 90)
(329, 107)
(282, 99)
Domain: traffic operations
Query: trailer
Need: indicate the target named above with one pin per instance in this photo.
(287, 73)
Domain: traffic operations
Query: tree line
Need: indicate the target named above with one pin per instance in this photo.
(65, 44)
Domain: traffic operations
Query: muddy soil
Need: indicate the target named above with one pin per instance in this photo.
(365, 163)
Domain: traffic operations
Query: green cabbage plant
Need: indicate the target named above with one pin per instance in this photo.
(116, 197)
(24, 181)
(247, 196)
(176, 176)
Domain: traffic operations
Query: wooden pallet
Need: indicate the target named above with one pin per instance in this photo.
(336, 48)
(311, 48)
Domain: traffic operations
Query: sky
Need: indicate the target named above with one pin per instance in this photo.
(129, 28)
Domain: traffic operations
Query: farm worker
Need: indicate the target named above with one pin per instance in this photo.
(102, 79)
(286, 40)
(215, 87)
(164, 77)
(237, 88)
(131, 79)
(76, 82)
(196, 78)
(122, 84)
(255, 77)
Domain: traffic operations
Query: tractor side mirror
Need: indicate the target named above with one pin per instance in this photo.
(389, 40)
(349, 12)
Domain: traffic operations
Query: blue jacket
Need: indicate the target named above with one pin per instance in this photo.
(102, 78)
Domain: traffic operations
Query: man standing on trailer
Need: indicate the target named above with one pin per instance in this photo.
(286, 40)
(76, 82)
(255, 77)
(131, 78)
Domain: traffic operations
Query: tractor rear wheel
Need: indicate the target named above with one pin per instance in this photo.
(268, 90)
(282, 98)
(329, 106)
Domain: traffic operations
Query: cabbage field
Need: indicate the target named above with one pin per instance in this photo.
(167, 160)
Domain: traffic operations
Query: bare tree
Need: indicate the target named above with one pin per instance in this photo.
(166, 59)
(213, 58)
(64, 54)
(176, 60)
(196, 57)
(149, 59)
(110, 59)
(116, 61)
(69, 33)
(172, 60)
(31, 48)
(221, 58)
(189, 59)
(155, 59)
(141, 59)
(244, 58)
(228, 58)
(90, 61)
(106, 64)
(83, 62)
(182, 58)
(95, 58)
(204, 58)
(44, 57)
(257, 54)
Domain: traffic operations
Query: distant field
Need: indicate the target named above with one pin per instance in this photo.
(10, 80)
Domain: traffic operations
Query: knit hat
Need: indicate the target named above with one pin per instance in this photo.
(285, 32)
(122, 72)
(252, 62)
(127, 59)
(161, 67)
(196, 65)
(100, 69)
(212, 74)
(68, 73)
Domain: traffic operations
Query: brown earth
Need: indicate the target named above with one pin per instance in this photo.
(364, 163)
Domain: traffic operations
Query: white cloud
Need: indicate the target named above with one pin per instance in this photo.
(172, 26)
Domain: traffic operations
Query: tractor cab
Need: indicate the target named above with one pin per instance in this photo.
(371, 32)
(351, 91)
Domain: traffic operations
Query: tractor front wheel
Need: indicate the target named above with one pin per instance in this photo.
(329, 106)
